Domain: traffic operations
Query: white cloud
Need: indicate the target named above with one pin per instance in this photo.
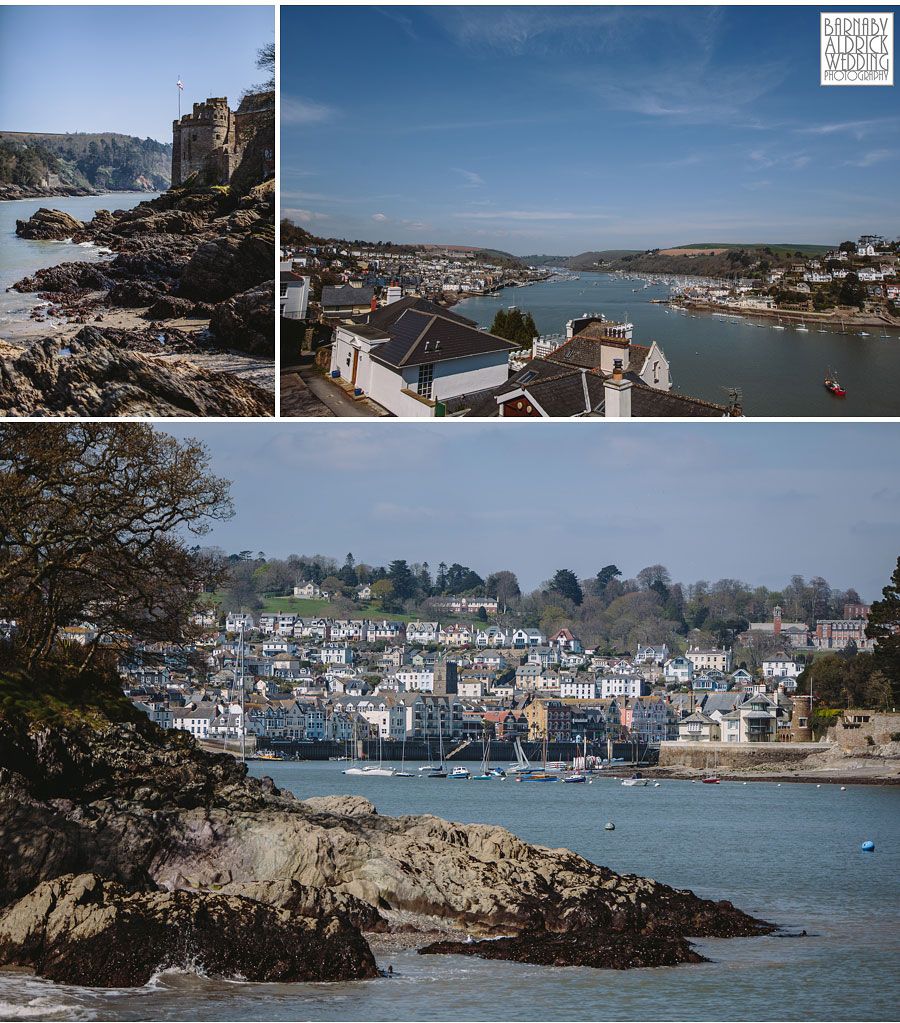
(876, 156)
(299, 216)
(473, 180)
(295, 110)
(380, 217)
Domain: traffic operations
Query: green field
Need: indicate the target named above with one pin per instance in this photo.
(778, 249)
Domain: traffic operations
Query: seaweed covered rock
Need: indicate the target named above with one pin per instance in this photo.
(602, 950)
(90, 931)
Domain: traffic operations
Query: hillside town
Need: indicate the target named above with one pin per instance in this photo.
(283, 678)
(854, 280)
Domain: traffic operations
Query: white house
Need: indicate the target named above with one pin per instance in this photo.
(413, 355)
(622, 685)
(782, 667)
(422, 632)
(579, 689)
(679, 669)
(294, 295)
(336, 653)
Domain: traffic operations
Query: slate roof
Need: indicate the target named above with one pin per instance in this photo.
(587, 353)
(420, 337)
(385, 316)
(345, 295)
(559, 391)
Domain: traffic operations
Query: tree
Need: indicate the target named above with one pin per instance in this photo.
(403, 579)
(605, 576)
(265, 61)
(504, 586)
(565, 582)
(884, 628)
(653, 574)
(383, 591)
(94, 517)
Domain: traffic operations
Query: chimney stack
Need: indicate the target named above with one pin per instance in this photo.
(617, 394)
(776, 620)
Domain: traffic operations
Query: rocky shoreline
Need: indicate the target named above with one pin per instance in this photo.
(12, 193)
(206, 255)
(117, 837)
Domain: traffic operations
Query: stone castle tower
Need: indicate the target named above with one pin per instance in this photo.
(205, 141)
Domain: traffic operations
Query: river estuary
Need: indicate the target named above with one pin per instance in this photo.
(780, 372)
(790, 854)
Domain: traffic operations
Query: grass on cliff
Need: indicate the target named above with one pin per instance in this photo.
(54, 693)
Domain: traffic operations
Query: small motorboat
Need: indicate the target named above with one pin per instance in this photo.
(636, 779)
(460, 773)
(574, 779)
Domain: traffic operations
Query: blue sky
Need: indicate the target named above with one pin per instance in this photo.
(115, 68)
(752, 501)
(563, 129)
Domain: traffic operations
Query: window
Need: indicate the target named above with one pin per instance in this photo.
(283, 290)
(426, 380)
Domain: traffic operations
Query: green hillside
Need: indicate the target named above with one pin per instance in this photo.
(107, 161)
(782, 249)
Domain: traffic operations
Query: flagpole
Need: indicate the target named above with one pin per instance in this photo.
(179, 97)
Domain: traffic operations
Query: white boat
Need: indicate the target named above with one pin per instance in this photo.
(636, 779)
(460, 773)
(522, 763)
(803, 327)
(373, 770)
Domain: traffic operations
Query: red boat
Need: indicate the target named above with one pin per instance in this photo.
(710, 781)
(832, 384)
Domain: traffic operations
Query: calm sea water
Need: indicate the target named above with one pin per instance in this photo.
(781, 372)
(789, 854)
(20, 257)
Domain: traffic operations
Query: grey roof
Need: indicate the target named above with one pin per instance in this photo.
(345, 295)
(385, 316)
(562, 391)
(420, 337)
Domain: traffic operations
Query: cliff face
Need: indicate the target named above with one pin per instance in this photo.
(149, 813)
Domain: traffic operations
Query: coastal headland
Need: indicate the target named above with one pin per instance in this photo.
(127, 849)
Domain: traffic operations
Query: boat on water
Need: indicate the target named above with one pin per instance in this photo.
(863, 333)
(803, 327)
(460, 773)
(373, 770)
(712, 778)
(833, 384)
(542, 775)
(486, 773)
(576, 776)
(636, 780)
(522, 763)
(269, 756)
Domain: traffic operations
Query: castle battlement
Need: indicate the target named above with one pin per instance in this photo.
(205, 141)
(211, 140)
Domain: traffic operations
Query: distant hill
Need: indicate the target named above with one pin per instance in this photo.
(106, 161)
(785, 249)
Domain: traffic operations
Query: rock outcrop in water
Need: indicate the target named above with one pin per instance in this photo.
(148, 814)
(94, 932)
(49, 224)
